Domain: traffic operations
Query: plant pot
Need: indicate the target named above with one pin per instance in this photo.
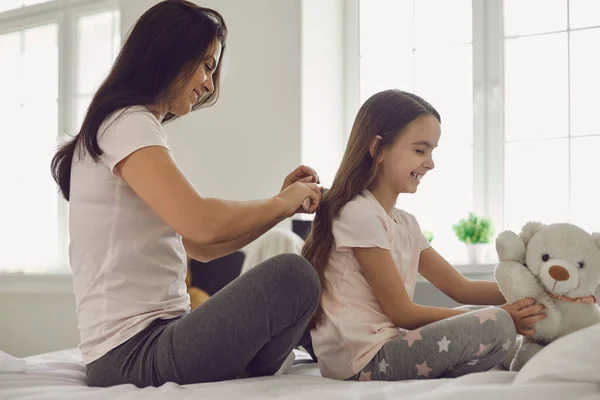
(477, 253)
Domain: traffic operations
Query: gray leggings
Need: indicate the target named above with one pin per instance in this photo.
(472, 342)
(248, 327)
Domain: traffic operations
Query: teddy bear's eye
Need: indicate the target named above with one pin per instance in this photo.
(580, 264)
(545, 257)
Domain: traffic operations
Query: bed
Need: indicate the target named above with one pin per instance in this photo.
(567, 369)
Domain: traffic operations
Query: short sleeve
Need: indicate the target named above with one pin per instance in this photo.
(360, 224)
(129, 131)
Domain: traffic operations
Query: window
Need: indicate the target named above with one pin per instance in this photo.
(551, 131)
(516, 84)
(7, 5)
(47, 75)
(404, 45)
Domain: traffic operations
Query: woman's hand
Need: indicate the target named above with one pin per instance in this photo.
(525, 313)
(301, 172)
(292, 198)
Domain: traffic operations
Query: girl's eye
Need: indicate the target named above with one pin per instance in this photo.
(207, 67)
(421, 151)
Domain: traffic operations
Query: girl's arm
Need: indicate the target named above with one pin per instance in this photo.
(442, 275)
(387, 284)
(155, 177)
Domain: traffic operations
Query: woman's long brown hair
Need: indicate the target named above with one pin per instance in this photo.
(385, 114)
(163, 50)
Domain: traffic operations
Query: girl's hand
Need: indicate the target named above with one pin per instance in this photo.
(525, 313)
(291, 198)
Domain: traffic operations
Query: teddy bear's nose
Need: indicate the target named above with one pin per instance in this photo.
(558, 273)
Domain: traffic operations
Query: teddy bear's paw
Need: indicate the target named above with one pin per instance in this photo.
(510, 247)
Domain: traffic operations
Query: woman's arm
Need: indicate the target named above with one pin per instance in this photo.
(387, 284)
(442, 275)
(206, 253)
(153, 174)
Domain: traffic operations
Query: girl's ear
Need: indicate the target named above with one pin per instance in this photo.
(373, 145)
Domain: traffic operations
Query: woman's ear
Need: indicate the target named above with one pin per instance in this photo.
(373, 145)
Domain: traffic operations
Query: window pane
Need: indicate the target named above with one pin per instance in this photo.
(536, 87)
(584, 13)
(442, 22)
(448, 89)
(6, 5)
(40, 64)
(524, 17)
(381, 73)
(82, 104)
(10, 69)
(30, 209)
(386, 27)
(116, 45)
(94, 50)
(452, 181)
(536, 182)
(585, 82)
(585, 195)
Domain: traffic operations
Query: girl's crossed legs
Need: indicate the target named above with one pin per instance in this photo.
(472, 342)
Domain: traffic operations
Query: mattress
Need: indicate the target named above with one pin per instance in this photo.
(61, 375)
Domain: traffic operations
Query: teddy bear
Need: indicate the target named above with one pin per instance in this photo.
(558, 265)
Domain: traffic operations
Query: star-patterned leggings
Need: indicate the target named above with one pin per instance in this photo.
(472, 342)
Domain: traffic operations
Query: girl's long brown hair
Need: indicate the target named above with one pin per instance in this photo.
(385, 114)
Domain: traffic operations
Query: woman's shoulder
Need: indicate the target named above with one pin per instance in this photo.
(129, 118)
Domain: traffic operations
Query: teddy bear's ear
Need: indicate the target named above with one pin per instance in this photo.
(596, 237)
(530, 229)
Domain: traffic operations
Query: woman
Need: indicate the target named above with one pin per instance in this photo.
(134, 216)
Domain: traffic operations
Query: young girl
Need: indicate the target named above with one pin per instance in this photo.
(134, 216)
(368, 253)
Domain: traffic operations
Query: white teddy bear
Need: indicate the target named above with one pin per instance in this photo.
(558, 265)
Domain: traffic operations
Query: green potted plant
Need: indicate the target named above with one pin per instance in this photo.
(428, 235)
(477, 233)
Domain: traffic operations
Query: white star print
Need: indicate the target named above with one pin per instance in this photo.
(444, 343)
(383, 366)
(506, 346)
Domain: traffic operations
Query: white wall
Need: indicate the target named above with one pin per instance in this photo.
(243, 147)
(33, 323)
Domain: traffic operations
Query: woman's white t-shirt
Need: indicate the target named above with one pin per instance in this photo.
(128, 265)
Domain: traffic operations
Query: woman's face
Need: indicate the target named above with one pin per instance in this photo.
(200, 85)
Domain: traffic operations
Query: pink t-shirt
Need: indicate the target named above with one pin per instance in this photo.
(354, 326)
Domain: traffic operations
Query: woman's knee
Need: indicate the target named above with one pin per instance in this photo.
(299, 275)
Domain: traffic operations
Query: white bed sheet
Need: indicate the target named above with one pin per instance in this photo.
(61, 375)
